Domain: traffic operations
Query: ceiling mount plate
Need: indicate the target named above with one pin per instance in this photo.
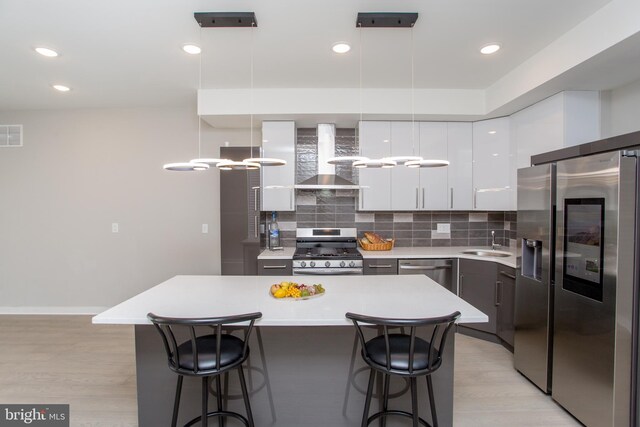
(386, 20)
(226, 19)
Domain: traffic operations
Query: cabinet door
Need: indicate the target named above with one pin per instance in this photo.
(434, 187)
(375, 143)
(460, 152)
(492, 165)
(380, 266)
(275, 267)
(279, 141)
(506, 299)
(478, 287)
(404, 181)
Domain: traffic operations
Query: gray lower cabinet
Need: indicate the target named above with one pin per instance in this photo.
(380, 266)
(275, 267)
(506, 300)
(478, 286)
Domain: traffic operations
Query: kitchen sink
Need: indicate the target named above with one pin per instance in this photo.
(486, 252)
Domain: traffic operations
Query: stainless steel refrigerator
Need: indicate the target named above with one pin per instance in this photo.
(576, 310)
(533, 339)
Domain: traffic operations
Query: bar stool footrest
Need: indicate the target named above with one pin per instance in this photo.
(394, 412)
(219, 414)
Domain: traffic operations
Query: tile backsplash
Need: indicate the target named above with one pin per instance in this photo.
(337, 208)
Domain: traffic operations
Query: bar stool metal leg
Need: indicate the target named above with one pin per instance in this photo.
(245, 395)
(385, 398)
(432, 402)
(176, 402)
(367, 401)
(205, 401)
(414, 401)
(219, 400)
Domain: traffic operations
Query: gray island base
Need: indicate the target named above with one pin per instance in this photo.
(311, 382)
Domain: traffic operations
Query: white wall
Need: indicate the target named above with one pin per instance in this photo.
(81, 170)
(621, 110)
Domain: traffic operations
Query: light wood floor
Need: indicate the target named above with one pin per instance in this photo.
(66, 359)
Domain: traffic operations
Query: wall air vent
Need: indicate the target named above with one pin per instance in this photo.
(10, 136)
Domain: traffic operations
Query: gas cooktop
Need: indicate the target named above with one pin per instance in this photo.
(333, 253)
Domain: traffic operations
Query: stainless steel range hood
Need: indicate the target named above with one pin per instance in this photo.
(326, 179)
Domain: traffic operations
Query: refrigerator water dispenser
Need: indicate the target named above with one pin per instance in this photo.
(532, 259)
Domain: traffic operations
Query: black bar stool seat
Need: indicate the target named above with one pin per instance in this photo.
(399, 347)
(402, 354)
(231, 352)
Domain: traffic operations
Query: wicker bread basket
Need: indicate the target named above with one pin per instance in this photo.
(386, 246)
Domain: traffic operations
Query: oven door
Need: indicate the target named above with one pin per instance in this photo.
(326, 271)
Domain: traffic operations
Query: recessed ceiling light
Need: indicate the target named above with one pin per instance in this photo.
(191, 49)
(341, 47)
(492, 132)
(490, 48)
(46, 52)
(62, 88)
(495, 154)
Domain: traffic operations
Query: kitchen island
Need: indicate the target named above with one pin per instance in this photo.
(304, 371)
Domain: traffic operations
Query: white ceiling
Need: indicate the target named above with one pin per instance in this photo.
(124, 53)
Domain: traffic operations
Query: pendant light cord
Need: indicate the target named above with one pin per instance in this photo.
(360, 82)
(251, 94)
(413, 105)
(199, 89)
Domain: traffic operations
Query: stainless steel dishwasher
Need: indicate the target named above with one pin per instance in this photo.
(442, 271)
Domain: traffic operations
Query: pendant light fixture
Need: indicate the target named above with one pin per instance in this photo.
(251, 162)
(416, 161)
(199, 164)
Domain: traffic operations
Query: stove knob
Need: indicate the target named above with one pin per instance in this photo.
(303, 264)
(312, 264)
(327, 264)
(352, 264)
(342, 264)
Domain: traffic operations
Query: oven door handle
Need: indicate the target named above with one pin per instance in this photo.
(325, 271)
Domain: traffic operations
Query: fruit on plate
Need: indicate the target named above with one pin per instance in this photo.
(295, 290)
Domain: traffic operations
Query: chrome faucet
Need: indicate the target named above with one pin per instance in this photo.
(494, 245)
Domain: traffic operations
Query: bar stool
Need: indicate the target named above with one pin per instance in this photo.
(206, 356)
(404, 355)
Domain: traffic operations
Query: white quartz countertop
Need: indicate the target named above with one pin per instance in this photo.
(437, 252)
(418, 252)
(208, 296)
(285, 253)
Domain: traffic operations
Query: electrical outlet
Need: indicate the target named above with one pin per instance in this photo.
(205, 228)
(444, 228)
(115, 227)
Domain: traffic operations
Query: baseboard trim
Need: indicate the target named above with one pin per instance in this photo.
(52, 310)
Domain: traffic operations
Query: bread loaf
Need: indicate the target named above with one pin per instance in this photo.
(373, 237)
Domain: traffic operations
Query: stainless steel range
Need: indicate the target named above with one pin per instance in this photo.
(326, 251)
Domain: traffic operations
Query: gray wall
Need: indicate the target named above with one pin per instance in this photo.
(81, 170)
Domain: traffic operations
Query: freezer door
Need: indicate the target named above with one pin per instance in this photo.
(533, 312)
(585, 287)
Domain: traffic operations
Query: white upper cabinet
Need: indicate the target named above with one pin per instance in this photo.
(492, 165)
(276, 182)
(434, 182)
(405, 192)
(414, 189)
(460, 150)
(375, 143)
(563, 120)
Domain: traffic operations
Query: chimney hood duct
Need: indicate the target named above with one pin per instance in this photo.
(326, 179)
